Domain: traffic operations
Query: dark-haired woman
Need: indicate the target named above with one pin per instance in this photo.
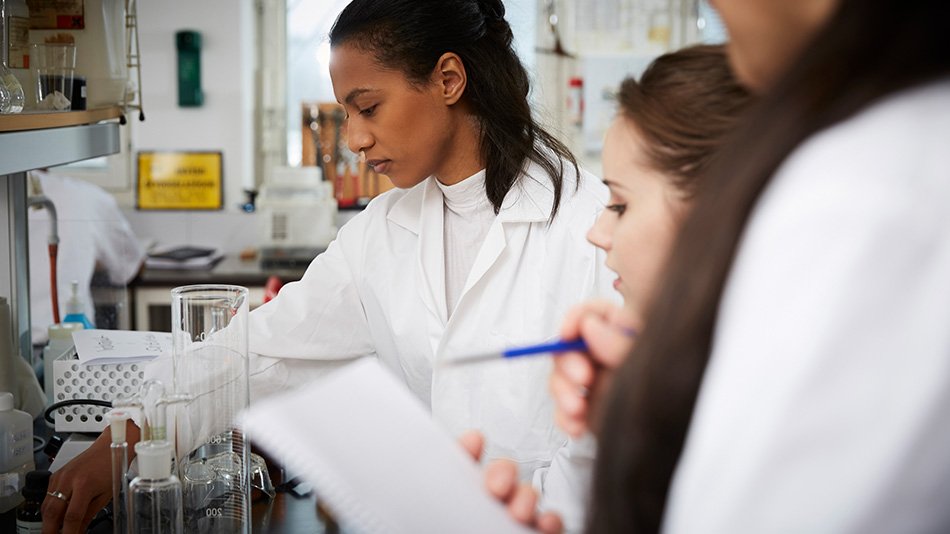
(806, 295)
(480, 247)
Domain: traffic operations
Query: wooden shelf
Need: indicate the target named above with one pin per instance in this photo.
(35, 120)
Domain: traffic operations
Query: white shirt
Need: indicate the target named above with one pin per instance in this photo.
(467, 216)
(92, 232)
(379, 290)
(825, 407)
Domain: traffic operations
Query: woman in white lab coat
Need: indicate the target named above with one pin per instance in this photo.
(480, 247)
(800, 381)
(669, 125)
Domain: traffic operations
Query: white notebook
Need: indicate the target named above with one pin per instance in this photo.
(375, 456)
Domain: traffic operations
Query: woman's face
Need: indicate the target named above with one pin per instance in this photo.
(403, 130)
(765, 36)
(640, 223)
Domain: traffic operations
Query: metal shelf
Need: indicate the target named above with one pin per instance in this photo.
(31, 141)
(68, 140)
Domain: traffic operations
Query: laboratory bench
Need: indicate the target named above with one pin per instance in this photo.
(151, 289)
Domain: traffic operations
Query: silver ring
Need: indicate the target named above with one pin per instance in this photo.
(58, 495)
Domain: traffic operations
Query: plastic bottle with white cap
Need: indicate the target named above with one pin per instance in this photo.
(16, 452)
(75, 308)
(156, 493)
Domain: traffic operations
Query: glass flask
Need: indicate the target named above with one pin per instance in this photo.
(209, 337)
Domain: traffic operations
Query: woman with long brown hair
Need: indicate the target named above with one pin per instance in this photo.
(669, 124)
(795, 376)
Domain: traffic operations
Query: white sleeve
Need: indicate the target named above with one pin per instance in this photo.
(321, 316)
(118, 250)
(564, 486)
(825, 407)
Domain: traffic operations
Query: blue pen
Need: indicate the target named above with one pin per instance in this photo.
(517, 352)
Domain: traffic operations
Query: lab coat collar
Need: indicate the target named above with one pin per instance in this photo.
(529, 200)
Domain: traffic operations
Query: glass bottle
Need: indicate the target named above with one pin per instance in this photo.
(156, 493)
(29, 519)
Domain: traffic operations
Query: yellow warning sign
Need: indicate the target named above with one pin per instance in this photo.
(179, 181)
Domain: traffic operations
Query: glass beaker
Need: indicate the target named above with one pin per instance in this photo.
(54, 66)
(209, 343)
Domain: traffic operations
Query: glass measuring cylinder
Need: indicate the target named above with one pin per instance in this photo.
(209, 336)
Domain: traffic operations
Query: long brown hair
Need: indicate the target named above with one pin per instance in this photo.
(684, 106)
(866, 51)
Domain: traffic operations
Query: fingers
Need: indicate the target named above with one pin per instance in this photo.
(570, 327)
(501, 479)
(550, 523)
(53, 509)
(607, 344)
(473, 442)
(521, 505)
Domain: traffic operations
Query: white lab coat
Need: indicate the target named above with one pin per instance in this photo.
(826, 404)
(379, 291)
(94, 235)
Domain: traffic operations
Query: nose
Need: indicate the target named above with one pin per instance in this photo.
(601, 233)
(358, 137)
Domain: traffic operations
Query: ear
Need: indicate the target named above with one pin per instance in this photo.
(449, 75)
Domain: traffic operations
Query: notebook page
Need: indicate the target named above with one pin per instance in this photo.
(375, 456)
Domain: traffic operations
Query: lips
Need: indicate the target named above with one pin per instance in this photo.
(379, 165)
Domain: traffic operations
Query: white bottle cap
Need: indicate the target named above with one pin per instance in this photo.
(63, 331)
(6, 401)
(155, 459)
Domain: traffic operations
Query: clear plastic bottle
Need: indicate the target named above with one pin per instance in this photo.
(29, 519)
(156, 493)
(75, 308)
(16, 452)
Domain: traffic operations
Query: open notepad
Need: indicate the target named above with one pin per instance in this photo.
(375, 456)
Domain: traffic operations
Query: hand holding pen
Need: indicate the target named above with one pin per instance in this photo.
(596, 337)
(579, 379)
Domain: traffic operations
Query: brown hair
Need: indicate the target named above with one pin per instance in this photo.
(866, 51)
(684, 106)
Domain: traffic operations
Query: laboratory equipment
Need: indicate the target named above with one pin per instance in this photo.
(16, 451)
(155, 495)
(107, 382)
(75, 308)
(209, 337)
(54, 66)
(29, 519)
(101, 44)
(299, 216)
(13, 97)
(119, 449)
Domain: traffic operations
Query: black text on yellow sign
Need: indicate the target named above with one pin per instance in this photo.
(179, 181)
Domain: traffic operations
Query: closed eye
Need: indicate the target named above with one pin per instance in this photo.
(368, 111)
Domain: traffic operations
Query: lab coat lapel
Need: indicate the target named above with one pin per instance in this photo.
(524, 204)
(431, 251)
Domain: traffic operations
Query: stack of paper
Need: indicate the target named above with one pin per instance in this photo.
(97, 347)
